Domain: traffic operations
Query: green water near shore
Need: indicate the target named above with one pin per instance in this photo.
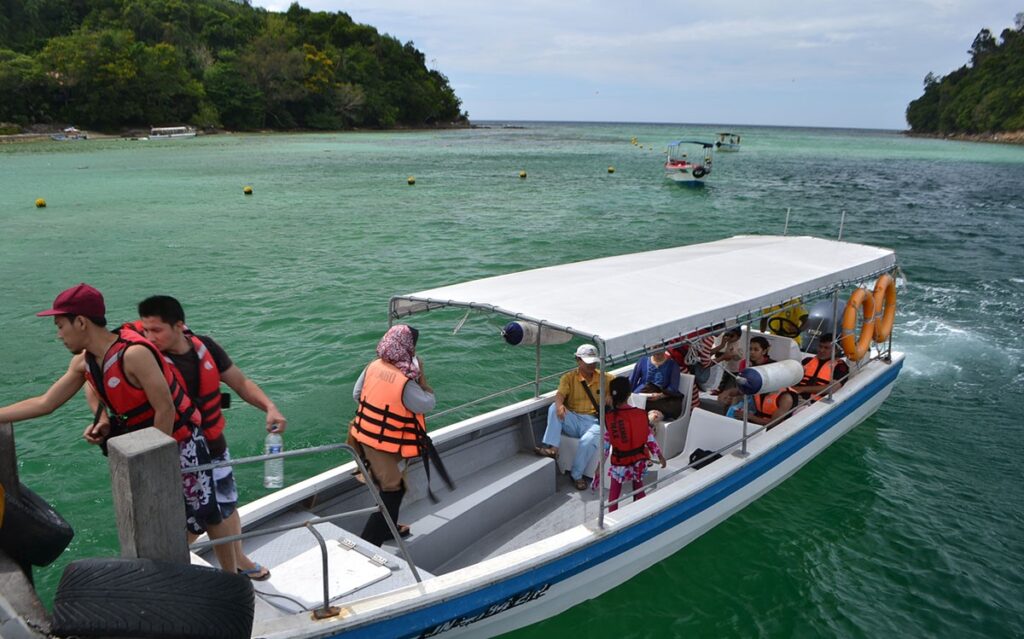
(909, 525)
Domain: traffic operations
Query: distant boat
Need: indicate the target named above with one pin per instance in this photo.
(171, 132)
(728, 142)
(681, 167)
(69, 134)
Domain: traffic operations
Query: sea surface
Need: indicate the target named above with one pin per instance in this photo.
(912, 525)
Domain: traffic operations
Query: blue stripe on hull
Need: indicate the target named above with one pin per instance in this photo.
(473, 603)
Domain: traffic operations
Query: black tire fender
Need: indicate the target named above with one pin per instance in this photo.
(699, 172)
(32, 531)
(121, 597)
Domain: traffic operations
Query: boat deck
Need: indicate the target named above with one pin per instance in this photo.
(505, 498)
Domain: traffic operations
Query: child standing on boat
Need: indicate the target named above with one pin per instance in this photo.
(630, 438)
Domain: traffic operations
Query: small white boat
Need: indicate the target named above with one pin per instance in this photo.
(514, 542)
(69, 134)
(689, 161)
(728, 142)
(171, 132)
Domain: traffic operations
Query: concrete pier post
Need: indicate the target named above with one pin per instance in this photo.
(8, 461)
(146, 479)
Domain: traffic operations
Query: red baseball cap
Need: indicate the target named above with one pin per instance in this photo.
(78, 300)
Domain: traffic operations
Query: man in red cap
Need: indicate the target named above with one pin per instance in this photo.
(133, 382)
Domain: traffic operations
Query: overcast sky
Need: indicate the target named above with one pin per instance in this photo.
(805, 63)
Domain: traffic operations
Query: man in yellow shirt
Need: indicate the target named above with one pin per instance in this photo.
(574, 414)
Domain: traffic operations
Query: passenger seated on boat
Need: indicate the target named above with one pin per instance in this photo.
(770, 408)
(630, 438)
(727, 354)
(678, 355)
(759, 347)
(819, 372)
(657, 376)
(574, 412)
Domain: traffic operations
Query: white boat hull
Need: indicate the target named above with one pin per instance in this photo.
(687, 177)
(546, 578)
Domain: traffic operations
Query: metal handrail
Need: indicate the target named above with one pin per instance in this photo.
(327, 610)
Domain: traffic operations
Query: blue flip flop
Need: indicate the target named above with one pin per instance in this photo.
(254, 573)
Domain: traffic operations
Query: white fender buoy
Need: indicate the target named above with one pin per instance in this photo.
(768, 378)
(525, 334)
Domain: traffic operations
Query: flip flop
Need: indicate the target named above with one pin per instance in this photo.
(581, 484)
(254, 573)
(546, 451)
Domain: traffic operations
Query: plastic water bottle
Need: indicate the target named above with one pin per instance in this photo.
(273, 469)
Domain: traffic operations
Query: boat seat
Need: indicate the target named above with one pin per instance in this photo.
(671, 435)
(479, 503)
(779, 347)
(567, 453)
(712, 431)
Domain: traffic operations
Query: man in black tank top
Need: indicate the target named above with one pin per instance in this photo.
(163, 320)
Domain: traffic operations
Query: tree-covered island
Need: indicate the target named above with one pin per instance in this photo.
(985, 96)
(117, 64)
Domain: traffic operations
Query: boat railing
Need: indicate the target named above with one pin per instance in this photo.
(503, 392)
(327, 610)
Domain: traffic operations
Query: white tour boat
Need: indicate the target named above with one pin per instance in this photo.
(70, 134)
(729, 142)
(171, 132)
(689, 161)
(513, 542)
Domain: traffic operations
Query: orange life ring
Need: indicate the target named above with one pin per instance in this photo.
(857, 348)
(885, 304)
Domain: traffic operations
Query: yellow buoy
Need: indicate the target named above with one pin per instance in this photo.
(611, 169)
(40, 203)
(247, 190)
(411, 180)
(522, 174)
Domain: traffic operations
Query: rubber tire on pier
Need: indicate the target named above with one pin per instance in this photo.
(120, 597)
(32, 531)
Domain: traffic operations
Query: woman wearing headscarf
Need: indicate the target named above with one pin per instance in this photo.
(392, 395)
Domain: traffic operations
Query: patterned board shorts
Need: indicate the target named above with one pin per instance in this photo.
(224, 486)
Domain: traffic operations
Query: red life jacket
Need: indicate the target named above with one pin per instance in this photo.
(628, 430)
(382, 421)
(128, 405)
(208, 402)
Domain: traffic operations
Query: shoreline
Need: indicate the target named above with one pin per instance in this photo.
(39, 135)
(1004, 137)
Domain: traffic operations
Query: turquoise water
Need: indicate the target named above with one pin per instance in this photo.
(910, 525)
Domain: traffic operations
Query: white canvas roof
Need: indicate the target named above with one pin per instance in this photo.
(630, 302)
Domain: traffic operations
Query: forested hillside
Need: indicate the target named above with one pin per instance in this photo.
(983, 96)
(110, 64)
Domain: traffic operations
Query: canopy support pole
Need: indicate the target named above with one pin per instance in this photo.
(746, 350)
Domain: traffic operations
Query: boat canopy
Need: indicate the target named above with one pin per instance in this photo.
(706, 145)
(697, 286)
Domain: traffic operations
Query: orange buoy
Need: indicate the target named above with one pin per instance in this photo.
(885, 306)
(857, 347)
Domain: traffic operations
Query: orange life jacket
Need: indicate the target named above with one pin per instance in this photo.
(382, 421)
(817, 371)
(128, 405)
(627, 430)
(767, 404)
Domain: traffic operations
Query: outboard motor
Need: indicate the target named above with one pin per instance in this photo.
(820, 319)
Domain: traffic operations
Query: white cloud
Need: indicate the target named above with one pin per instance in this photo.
(813, 62)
